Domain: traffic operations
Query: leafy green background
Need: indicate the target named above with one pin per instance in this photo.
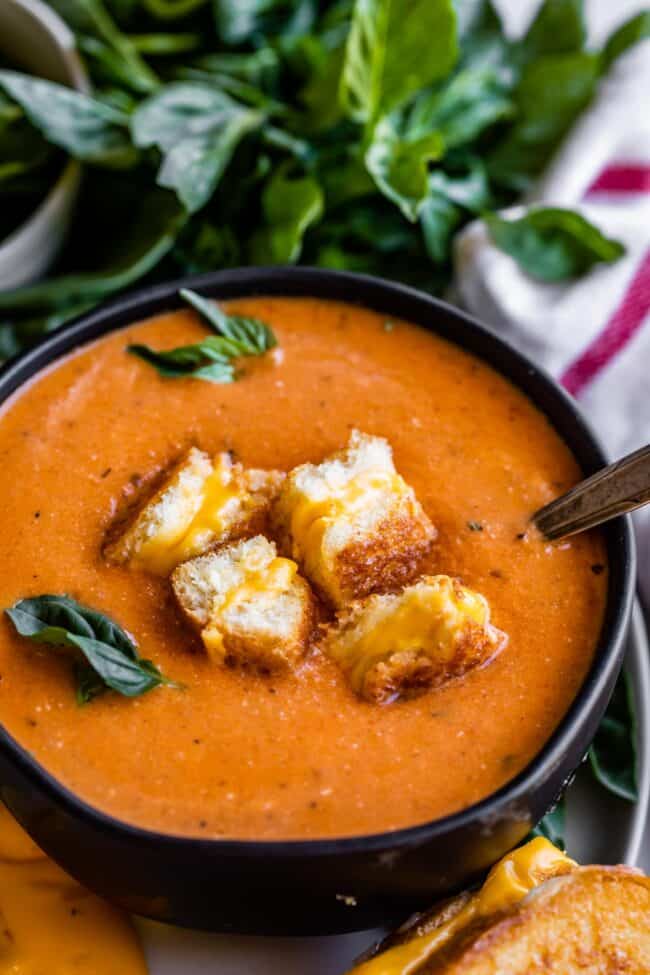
(358, 134)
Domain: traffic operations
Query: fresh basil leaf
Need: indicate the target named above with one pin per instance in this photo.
(107, 648)
(289, 206)
(119, 672)
(212, 358)
(86, 128)
(164, 45)
(154, 227)
(632, 32)
(240, 21)
(612, 756)
(172, 9)
(261, 67)
(466, 184)
(89, 684)
(400, 166)
(553, 244)
(199, 361)
(553, 826)
(197, 128)
(483, 43)
(439, 218)
(90, 19)
(558, 28)
(462, 108)
(250, 336)
(394, 48)
(50, 619)
(552, 92)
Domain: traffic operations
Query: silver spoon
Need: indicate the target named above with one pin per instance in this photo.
(617, 489)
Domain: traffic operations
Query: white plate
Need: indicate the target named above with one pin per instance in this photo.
(600, 829)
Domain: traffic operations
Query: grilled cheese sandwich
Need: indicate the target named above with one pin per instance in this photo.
(537, 912)
(352, 522)
(251, 606)
(405, 643)
(202, 503)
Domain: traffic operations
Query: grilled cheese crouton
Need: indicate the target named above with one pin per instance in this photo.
(250, 606)
(351, 522)
(405, 643)
(202, 503)
(538, 912)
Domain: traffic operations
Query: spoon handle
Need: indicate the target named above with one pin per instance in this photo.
(613, 491)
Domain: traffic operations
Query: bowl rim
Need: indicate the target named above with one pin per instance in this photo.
(370, 292)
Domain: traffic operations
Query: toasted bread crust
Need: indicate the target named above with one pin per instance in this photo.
(169, 512)
(401, 644)
(388, 560)
(179, 484)
(590, 921)
(268, 653)
(352, 523)
(269, 629)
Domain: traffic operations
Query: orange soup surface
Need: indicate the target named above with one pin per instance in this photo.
(239, 755)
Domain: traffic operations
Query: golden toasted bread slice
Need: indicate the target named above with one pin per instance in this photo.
(201, 503)
(405, 643)
(352, 523)
(251, 607)
(537, 913)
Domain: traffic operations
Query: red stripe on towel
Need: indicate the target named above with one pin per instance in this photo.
(618, 331)
(622, 178)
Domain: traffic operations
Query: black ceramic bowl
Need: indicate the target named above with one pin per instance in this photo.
(319, 886)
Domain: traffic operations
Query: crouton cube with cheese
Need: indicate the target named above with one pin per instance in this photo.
(251, 607)
(352, 523)
(402, 644)
(203, 502)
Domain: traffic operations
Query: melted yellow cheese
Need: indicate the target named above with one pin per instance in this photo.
(168, 548)
(431, 618)
(311, 517)
(271, 581)
(507, 883)
(49, 925)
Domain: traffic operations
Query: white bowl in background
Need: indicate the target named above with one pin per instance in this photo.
(39, 42)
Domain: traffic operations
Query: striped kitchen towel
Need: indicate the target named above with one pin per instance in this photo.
(592, 333)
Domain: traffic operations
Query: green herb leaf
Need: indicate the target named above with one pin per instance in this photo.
(289, 206)
(106, 648)
(90, 20)
(463, 108)
(626, 36)
(249, 335)
(212, 358)
(552, 92)
(197, 128)
(394, 48)
(86, 128)
(558, 28)
(612, 756)
(203, 360)
(552, 244)
(553, 825)
(400, 166)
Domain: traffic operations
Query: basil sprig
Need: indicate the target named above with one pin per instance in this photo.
(109, 658)
(612, 756)
(211, 359)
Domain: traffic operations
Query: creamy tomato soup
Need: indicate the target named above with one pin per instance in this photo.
(239, 755)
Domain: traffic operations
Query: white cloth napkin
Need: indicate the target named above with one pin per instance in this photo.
(593, 334)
